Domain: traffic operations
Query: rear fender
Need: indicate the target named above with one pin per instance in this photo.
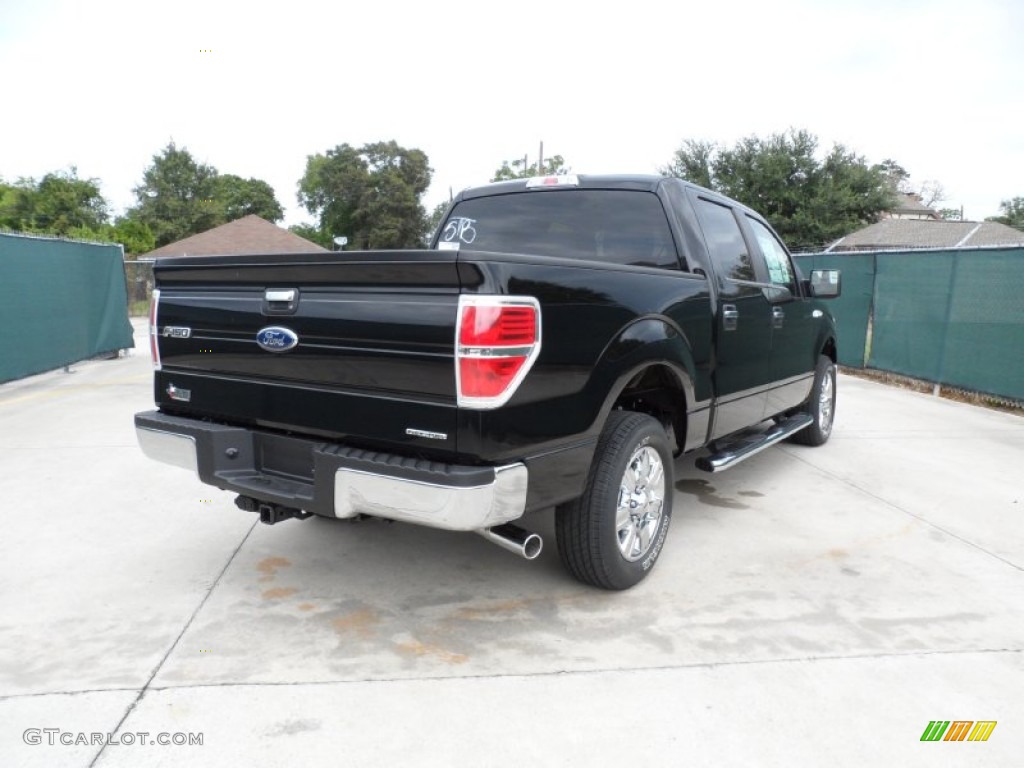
(649, 342)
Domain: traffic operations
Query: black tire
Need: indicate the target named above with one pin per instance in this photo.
(821, 405)
(586, 530)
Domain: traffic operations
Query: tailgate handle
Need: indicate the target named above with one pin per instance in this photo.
(280, 301)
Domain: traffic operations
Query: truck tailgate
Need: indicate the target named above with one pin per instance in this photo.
(356, 347)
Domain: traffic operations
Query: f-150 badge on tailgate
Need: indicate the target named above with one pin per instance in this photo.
(276, 339)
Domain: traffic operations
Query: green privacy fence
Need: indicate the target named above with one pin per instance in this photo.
(60, 302)
(954, 317)
(852, 309)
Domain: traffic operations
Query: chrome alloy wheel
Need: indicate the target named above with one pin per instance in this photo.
(825, 398)
(641, 496)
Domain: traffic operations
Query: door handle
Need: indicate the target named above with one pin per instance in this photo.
(778, 316)
(730, 317)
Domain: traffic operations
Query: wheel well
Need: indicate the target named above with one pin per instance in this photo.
(830, 350)
(657, 392)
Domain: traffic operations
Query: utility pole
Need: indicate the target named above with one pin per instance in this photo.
(540, 160)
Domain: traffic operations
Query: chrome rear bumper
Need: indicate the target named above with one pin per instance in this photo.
(456, 508)
(334, 480)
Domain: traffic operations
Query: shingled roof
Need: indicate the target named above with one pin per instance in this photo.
(909, 206)
(250, 234)
(890, 234)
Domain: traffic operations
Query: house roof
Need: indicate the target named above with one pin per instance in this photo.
(889, 234)
(910, 204)
(250, 234)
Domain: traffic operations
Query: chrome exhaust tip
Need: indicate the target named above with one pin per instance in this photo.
(526, 544)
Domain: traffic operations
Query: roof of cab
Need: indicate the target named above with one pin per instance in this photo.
(635, 181)
(644, 183)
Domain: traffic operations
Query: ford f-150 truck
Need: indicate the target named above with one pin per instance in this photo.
(563, 339)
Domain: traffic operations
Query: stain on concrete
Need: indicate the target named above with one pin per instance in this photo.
(495, 611)
(417, 649)
(268, 567)
(706, 493)
(362, 624)
(752, 494)
(306, 607)
(417, 601)
(292, 727)
(278, 592)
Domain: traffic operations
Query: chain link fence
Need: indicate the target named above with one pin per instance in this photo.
(138, 277)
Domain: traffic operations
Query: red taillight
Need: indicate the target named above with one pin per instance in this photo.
(498, 341)
(154, 346)
(498, 326)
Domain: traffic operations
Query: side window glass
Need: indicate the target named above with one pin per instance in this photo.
(725, 242)
(780, 271)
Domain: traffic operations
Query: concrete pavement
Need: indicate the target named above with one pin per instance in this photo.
(813, 606)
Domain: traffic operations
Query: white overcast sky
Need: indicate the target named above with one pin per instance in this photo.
(937, 85)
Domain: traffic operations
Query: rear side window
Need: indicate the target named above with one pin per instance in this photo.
(725, 242)
(613, 226)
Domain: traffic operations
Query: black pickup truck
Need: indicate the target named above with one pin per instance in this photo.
(560, 343)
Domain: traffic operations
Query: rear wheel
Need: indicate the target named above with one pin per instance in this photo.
(612, 536)
(821, 405)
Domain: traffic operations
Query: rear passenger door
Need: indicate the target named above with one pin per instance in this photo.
(743, 326)
(794, 329)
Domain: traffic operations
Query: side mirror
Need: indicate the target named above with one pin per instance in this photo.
(825, 283)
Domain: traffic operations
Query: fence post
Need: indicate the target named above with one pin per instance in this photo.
(937, 389)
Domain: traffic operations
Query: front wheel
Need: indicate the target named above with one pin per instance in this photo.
(821, 405)
(612, 535)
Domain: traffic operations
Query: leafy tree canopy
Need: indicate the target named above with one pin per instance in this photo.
(238, 197)
(57, 204)
(1012, 213)
(809, 201)
(370, 194)
(179, 197)
(521, 169)
(313, 233)
(434, 218)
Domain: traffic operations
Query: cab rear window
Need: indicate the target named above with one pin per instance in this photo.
(611, 226)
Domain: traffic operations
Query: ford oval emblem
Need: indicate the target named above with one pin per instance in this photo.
(276, 339)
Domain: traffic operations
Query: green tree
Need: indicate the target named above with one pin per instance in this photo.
(240, 197)
(179, 197)
(176, 197)
(896, 175)
(1012, 213)
(136, 237)
(433, 221)
(370, 195)
(313, 233)
(809, 201)
(16, 204)
(521, 169)
(59, 204)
